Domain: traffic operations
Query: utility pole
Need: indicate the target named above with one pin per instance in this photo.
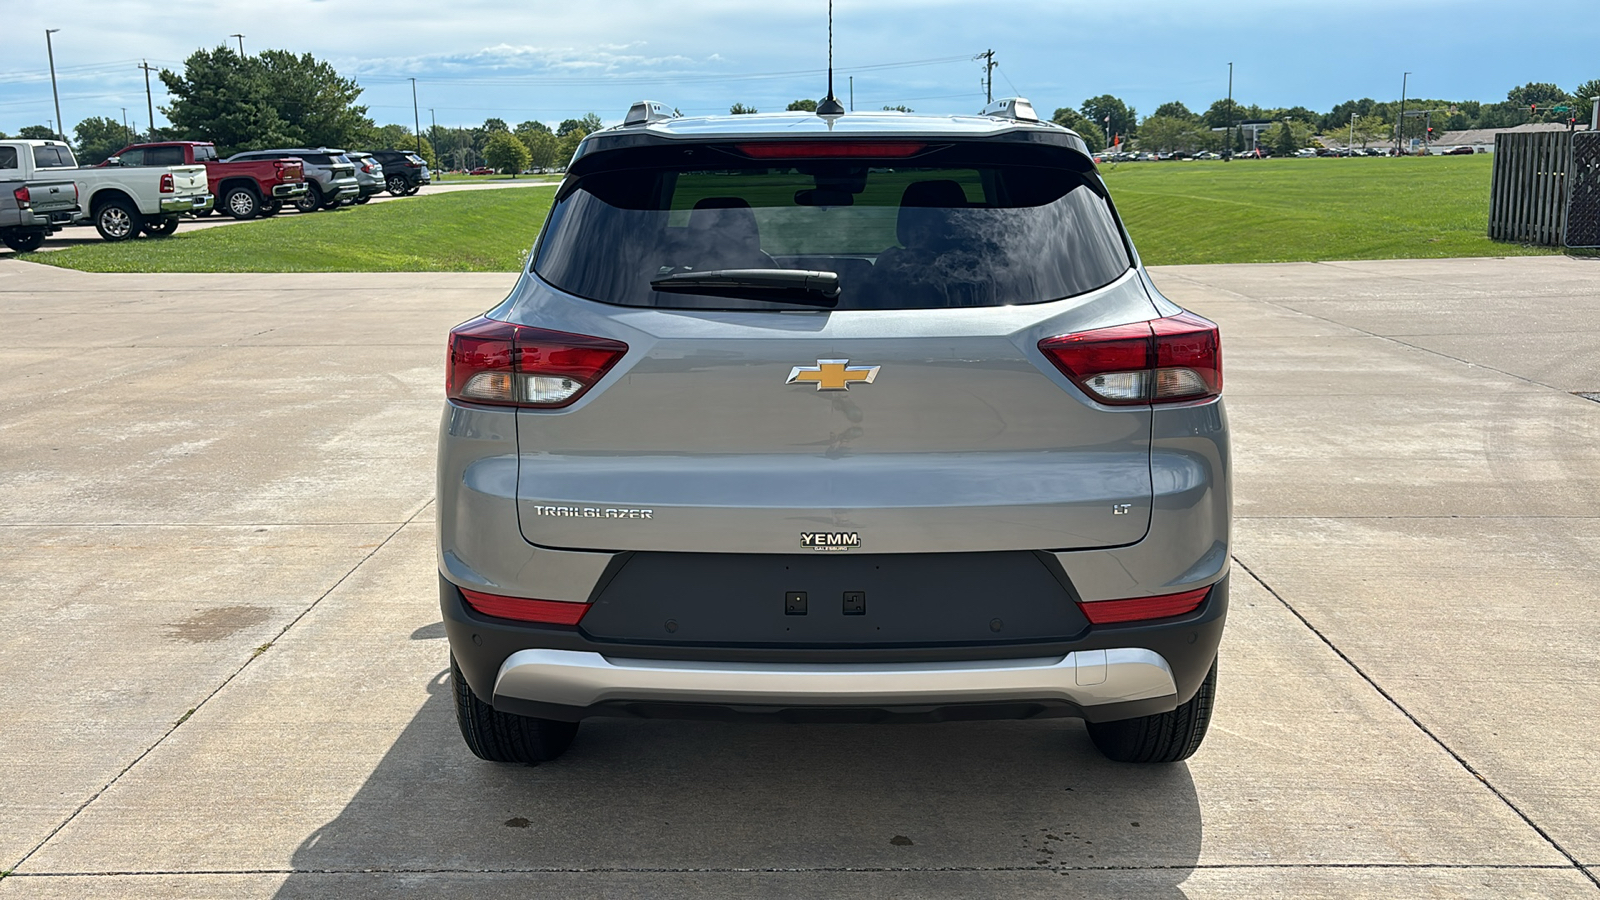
(1351, 147)
(1400, 122)
(149, 102)
(53, 92)
(989, 74)
(416, 116)
(126, 134)
(241, 43)
(1228, 136)
(433, 135)
(852, 93)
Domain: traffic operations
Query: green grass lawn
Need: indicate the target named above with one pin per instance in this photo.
(1277, 210)
(1283, 210)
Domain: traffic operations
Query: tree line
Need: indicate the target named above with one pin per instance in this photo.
(277, 98)
(1106, 120)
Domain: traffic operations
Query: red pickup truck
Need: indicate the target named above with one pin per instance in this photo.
(243, 190)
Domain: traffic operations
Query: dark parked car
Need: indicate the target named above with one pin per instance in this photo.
(404, 172)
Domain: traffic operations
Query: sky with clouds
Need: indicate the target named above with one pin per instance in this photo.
(550, 61)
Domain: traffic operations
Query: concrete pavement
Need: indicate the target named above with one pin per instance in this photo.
(220, 626)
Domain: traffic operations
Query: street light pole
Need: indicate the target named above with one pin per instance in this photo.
(126, 134)
(51, 51)
(241, 43)
(1228, 134)
(416, 116)
(1350, 148)
(1400, 123)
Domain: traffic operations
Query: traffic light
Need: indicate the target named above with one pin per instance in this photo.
(1533, 108)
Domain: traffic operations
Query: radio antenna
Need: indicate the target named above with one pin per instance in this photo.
(830, 105)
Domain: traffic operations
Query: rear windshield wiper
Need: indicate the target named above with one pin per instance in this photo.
(799, 286)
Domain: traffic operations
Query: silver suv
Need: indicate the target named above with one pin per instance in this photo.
(860, 417)
(330, 176)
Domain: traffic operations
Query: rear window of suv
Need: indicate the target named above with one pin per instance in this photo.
(927, 233)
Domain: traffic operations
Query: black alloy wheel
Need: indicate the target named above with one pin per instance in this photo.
(160, 228)
(24, 241)
(310, 201)
(396, 185)
(241, 203)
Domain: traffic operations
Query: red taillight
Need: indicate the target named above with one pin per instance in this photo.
(1108, 612)
(828, 149)
(24, 198)
(550, 612)
(1168, 360)
(167, 184)
(503, 364)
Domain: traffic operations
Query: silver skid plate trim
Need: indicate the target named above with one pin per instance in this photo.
(1087, 678)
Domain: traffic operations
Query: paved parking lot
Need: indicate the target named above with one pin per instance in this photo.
(225, 669)
(85, 234)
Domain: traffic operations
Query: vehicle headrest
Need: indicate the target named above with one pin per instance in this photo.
(730, 217)
(916, 227)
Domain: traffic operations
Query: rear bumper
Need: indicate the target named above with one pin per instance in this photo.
(191, 203)
(581, 680)
(1109, 673)
(290, 189)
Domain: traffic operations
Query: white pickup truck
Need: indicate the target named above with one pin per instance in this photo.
(119, 201)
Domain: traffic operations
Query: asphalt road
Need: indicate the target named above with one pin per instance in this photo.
(226, 674)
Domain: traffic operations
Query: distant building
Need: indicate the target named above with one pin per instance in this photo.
(1481, 140)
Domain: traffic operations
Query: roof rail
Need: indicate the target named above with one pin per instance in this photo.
(1019, 109)
(644, 112)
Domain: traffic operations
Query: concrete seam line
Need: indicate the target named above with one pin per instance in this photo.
(664, 870)
(214, 691)
(1363, 331)
(1460, 760)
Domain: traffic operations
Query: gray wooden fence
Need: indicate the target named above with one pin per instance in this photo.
(1528, 203)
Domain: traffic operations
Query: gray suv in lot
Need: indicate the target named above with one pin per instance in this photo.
(834, 418)
(330, 176)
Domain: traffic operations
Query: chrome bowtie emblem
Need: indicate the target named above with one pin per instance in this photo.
(832, 374)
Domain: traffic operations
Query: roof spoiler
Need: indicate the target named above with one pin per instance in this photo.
(646, 111)
(1018, 109)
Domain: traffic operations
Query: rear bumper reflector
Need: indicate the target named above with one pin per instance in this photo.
(1138, 609)
(522, 609)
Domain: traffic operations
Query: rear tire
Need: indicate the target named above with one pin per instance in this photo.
(310, 201)
(24, 241)
(363, 198)
(118, 220)
(241, 203)
(1161, 738)
(271, 208)
(413, 189)
(161, 228)
(396, 184)
(505, 737)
